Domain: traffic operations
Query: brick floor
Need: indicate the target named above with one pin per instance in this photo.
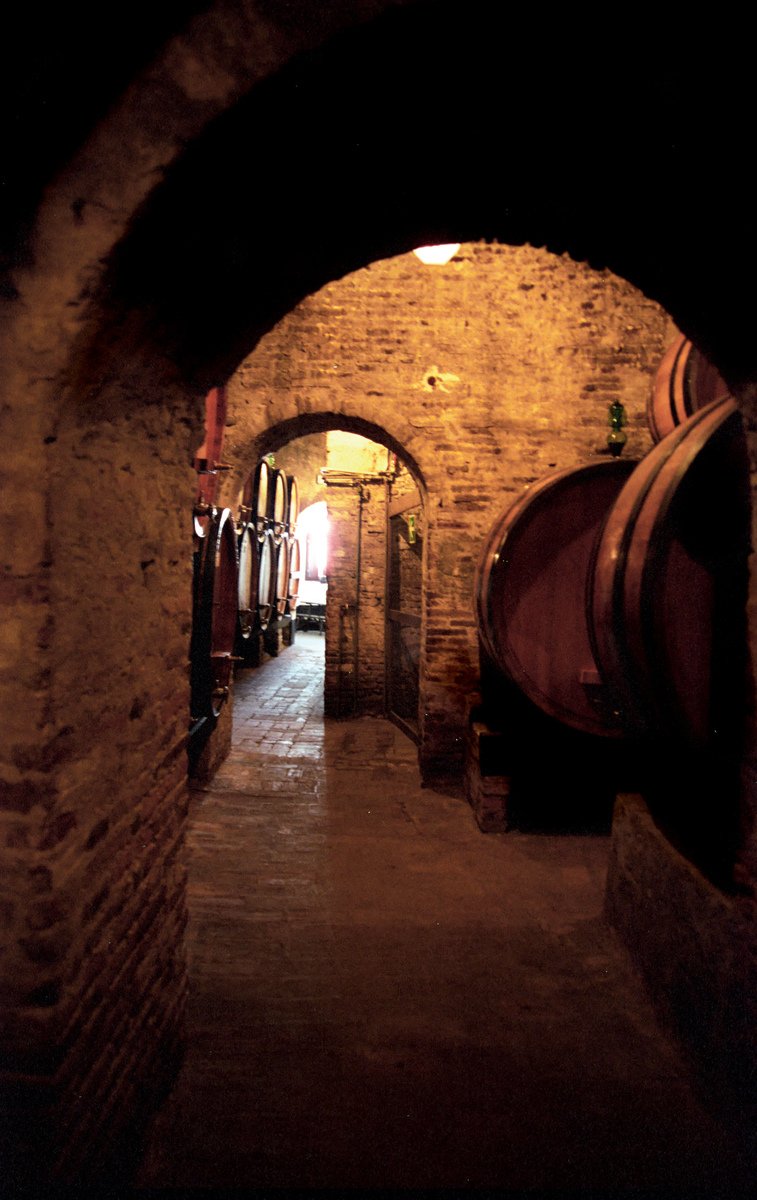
(384, 997)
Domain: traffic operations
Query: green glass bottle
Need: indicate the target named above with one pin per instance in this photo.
(616, 438)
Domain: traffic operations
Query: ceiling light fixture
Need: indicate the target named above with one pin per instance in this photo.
(437, 256)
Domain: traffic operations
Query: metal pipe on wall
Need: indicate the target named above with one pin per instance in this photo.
(343, 610)
(363, 497)
(353, 479)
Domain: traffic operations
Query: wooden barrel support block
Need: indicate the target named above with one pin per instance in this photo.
(531, 592)
(665, 593)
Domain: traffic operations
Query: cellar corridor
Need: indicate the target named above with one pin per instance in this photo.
(382, 996)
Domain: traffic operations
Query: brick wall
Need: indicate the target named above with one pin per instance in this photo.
(484, 375)
(354, 674)
(93, 972)
(97, 589)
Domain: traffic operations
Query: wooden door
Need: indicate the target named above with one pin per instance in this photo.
(404, 582)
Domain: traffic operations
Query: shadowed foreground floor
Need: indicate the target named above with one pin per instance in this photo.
(383, 997)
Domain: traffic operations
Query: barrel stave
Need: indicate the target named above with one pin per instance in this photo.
(531, 593)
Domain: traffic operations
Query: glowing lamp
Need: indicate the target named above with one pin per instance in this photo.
(436, 256)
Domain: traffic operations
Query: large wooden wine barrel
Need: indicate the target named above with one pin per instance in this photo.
(266, 580)
(214, 614)
(667, 588)
(255, 498)
(293, 504)
(685, 382)
(295, 574)
(531, 593)
(282, 576)
(249, 561)
(278, 506)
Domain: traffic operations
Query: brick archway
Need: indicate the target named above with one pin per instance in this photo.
(362, 475)
(215, 193)
(330, 186)
(248, 448)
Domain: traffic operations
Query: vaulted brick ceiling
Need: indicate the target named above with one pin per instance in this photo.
(439, 120)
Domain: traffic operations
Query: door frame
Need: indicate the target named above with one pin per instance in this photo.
(395, 506)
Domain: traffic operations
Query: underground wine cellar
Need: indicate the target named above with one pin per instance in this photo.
(529, 647)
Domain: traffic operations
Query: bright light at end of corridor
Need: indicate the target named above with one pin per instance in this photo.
(313, 529)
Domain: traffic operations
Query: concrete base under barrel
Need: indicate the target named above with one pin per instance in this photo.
(211, 743)
(279, 634)
(696, 949)
(486, 789)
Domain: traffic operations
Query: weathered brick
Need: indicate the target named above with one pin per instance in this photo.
(507, 360)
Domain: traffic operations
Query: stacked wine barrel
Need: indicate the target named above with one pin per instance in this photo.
(611, 597)
(531, 586)
(214, 611)
(246, 576)
(269, 580)
(597, 592)
(685, 382)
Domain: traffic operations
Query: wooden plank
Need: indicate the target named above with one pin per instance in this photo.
(400, 504)
(399, 617)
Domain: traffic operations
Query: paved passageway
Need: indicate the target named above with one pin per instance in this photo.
(382, 996)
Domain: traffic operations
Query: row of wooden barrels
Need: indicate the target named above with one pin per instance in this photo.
(611, 594)
(246, 575)
(606, 593)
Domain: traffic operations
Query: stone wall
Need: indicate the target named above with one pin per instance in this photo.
(700, 967)
(484, 375)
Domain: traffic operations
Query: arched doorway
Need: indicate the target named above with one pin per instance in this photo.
(115, 384)
(348, 583)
